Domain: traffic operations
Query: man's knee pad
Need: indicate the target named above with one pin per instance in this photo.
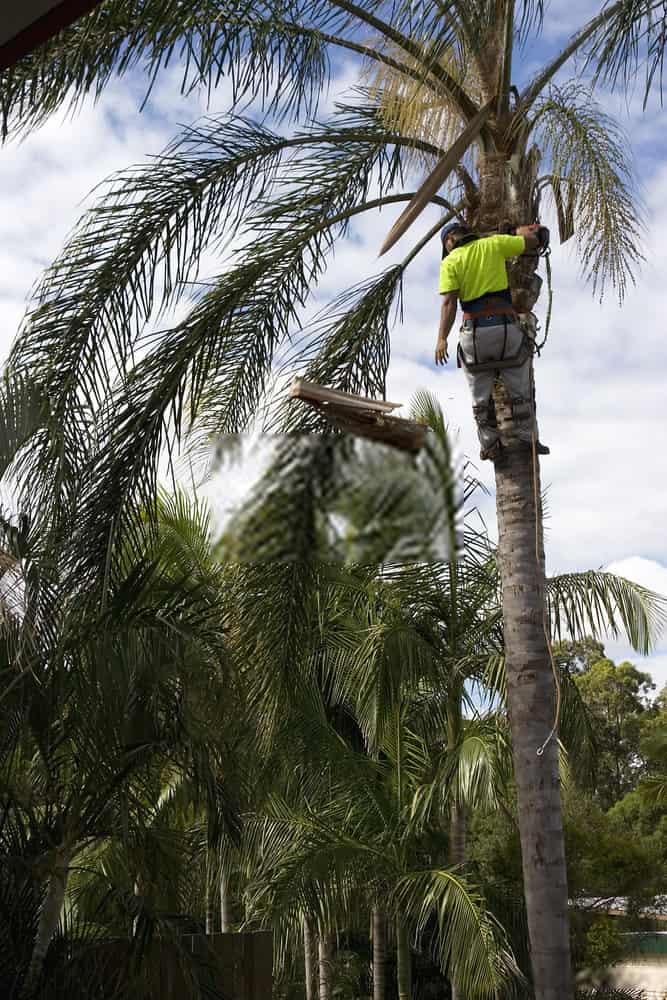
(522, 409)
(485, 414)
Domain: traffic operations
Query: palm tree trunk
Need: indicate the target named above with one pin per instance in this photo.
(457, 854)
(530, 686)
(326, 970)
(226, 905)
(210, 911)
(403, 962)
(49, 916)
(457, 834)
(530, 695)
(379, 954)
(309, 959)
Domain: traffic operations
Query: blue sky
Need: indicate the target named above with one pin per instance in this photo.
(600, 382)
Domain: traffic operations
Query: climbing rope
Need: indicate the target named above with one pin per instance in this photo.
(550, 299)
(545, 629)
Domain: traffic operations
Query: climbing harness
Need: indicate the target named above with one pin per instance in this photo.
(493, 311)
(515, 360)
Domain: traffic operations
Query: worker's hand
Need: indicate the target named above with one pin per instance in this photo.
(441, 354)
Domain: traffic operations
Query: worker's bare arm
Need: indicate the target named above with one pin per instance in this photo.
(447, 317)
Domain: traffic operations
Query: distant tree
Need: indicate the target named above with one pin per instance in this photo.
(618, 698)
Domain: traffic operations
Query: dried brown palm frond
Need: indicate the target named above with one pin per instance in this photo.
(412, 105)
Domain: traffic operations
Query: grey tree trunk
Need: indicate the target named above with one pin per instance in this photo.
(49, 916)
(310, 965)
(226, 905)
(457, 833)
(457, 855)
(531, 702)
(507, 193)
(209, 900)
(380, 954)
(326, 966)
(403, 962)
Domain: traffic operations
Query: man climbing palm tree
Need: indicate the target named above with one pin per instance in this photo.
(492, 343)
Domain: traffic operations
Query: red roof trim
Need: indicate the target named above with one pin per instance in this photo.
(42, 29)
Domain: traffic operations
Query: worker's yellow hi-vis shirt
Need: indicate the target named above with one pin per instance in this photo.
(478, 267)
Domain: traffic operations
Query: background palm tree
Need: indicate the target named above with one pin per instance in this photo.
(110, 720)
(131, 256)
(392, 633)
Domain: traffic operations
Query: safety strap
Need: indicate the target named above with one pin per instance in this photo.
(493, 307)
(500, 310)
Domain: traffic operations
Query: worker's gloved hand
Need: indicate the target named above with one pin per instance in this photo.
(441, 354)
(543, 236)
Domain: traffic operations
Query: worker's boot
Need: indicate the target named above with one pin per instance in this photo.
(485, 418)
(540, 449)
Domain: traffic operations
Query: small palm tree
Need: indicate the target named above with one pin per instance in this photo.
(444, 92)
(100, 711)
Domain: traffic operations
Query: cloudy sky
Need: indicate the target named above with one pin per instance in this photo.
(600, 382)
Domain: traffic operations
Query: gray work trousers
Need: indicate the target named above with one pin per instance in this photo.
(488, 346)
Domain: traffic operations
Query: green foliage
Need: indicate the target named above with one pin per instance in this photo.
(617, 706)
(604, 860)
(604, 944)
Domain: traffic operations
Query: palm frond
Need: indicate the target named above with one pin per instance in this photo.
(597, 603)
(347, 346)
(269, 51)
(468, 942)
(632, 36)
(577, 731)
(588, 154)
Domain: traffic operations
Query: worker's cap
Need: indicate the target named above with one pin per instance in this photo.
(453, 227)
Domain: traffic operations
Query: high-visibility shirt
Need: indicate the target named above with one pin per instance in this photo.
(478, 268)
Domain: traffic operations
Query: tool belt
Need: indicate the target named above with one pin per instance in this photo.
(515, 360)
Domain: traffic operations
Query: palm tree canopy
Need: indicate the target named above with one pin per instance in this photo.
(285, 196)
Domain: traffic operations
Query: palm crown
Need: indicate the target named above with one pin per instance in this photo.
(438, 88)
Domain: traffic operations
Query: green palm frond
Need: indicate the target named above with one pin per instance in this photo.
(597, 603)
(136, 251)
(468, 942)
(577, 731)
(484, 762)
(347, 345)
(22, 407)
(274, 52)
(631, 37)
(285, 517)
(589, 159)
(268, 51)
(219, 358)
(475, 772)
